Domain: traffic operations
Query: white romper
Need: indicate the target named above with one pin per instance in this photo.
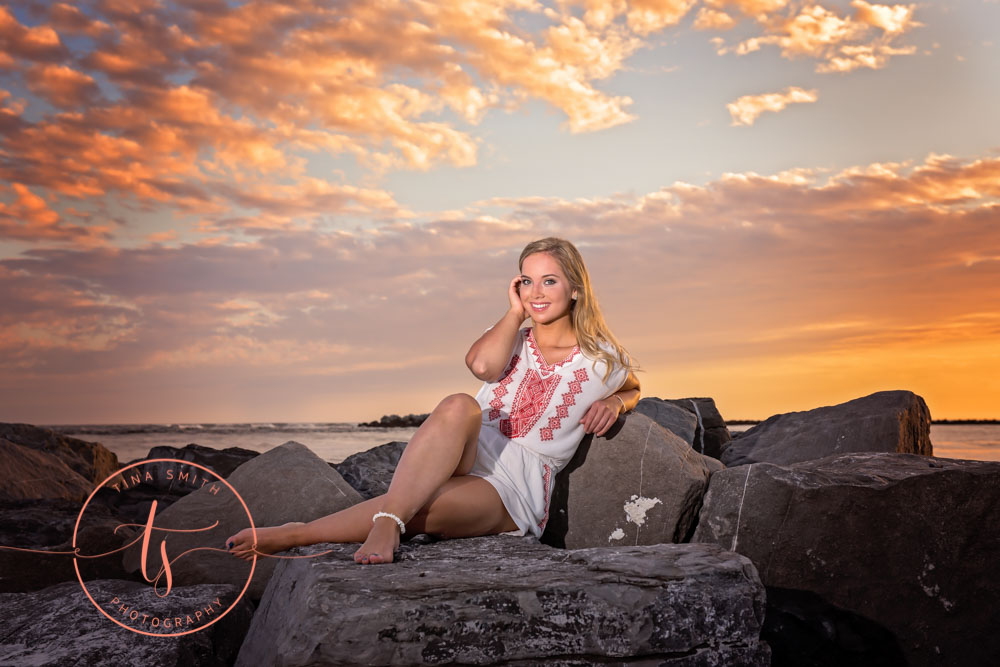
(531, 425)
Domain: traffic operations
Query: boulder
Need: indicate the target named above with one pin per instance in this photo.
(286, 483)
(886, 421)
(47, 525)
(91, 460)
(31, 473)
(682, 423)
(221, 461)
(712, 435)
(370, 472)
(60, 626)
(637, 484)
(133, 503)
(507, 600)
(907, 542)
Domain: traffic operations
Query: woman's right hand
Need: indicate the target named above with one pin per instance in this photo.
(514, 295)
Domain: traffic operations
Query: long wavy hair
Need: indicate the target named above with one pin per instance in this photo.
(585, 314)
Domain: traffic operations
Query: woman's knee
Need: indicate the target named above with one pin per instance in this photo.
(459, 406)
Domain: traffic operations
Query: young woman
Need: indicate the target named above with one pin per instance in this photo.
(485, 465)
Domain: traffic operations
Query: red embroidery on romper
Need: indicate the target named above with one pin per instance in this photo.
(530, 401)
(501, 389)
(548, 478)
(541, 360)
(569, 398)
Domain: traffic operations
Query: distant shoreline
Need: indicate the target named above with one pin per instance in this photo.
(933, 421)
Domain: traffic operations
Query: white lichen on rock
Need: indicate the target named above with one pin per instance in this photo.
(636, 508)
(617, 535)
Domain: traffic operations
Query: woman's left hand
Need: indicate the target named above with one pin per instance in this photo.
(601, 415)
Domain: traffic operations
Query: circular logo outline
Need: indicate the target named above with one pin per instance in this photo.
(76, 564)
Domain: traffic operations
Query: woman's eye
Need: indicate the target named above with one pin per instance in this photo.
(525, 281)
(550, 281)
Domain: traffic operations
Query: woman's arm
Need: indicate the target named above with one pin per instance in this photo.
(488, 355)
(603, 413)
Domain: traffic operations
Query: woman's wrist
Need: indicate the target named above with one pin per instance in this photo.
(621, 401)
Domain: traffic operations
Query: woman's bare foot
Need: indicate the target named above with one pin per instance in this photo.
(269, 540)
(381, 545)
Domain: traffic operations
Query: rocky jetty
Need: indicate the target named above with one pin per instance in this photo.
(820, 544)
(505, 600)
(395, 421)
(902, 542)
(637, 484)
(886, 421)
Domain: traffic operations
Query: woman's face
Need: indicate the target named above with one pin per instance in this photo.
(545, 291)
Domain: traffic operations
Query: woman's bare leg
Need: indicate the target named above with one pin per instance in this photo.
(443, 446)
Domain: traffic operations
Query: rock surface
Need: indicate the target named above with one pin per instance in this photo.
(637, 484)
(286, 483)
(682, 423)
(905, 541)
(886, 421)
(221, 461)
(31, 473)
(47, 525)
(712, 435)
(60, 626)
(370, 472)
(92, 461)
(507, 600)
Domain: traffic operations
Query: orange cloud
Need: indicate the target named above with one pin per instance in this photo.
(879, 276)
(62, 86)
(747, 108)
(29, 218)
(711, 19)
(35, 43)
(840, 43)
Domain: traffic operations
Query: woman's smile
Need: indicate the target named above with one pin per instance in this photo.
(545, 291)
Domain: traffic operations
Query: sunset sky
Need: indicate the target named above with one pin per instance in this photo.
(216, 211)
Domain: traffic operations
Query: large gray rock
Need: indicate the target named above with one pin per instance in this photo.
(682, 423)
(908, 542)
(286, 483)
(370, 471)
(91, 460)
(47, 525)
(886, 421)
(220, 461)
(637, 484)
(712, 434)
(33, 474)
(507, 600)
(60, 626)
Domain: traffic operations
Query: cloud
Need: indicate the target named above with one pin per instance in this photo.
(29, 218)
(839, 43)
(205, 109)
(710, 19)
(62, 86)
(33, 43)
(747, 108)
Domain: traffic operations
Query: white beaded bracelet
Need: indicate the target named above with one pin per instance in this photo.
(624, 409)
(402, 526)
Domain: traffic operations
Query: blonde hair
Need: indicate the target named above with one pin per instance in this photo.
(585, 314)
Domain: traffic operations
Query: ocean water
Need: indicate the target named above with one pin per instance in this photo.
(333, 442)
